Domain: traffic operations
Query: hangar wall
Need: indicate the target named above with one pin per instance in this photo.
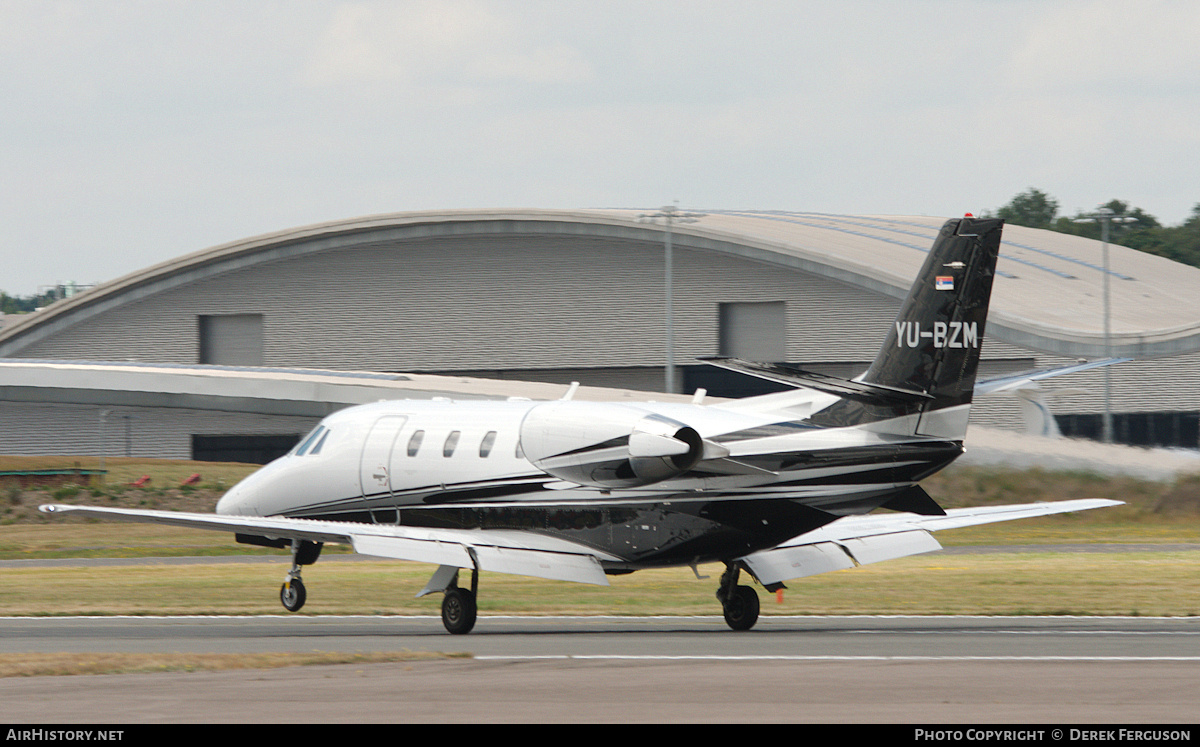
(508, 303)
(158, 432)
(540, 305)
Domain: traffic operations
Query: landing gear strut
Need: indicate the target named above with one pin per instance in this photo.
(292, 594)
(740, 603)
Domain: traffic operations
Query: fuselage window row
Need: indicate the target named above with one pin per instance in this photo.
(486, 444)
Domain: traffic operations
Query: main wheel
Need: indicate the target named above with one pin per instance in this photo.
(293, 595)
(741, 608)
(458, 611)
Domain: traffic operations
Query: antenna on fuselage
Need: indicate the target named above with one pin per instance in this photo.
(571, 391)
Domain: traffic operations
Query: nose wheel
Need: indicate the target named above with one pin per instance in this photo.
(292, 595)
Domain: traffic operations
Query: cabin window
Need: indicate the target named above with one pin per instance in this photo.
(485, 446)
(414, 443)
(451, 443)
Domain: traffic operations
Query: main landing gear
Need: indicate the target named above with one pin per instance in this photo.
(740, 603)
(459, 609)
(458, 606)
(292, 594)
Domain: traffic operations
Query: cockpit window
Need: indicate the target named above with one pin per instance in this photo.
(317, 449)
(309, 440)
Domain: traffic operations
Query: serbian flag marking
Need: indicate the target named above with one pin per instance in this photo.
(944, 283)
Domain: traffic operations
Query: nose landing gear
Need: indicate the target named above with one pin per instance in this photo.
(293, 594)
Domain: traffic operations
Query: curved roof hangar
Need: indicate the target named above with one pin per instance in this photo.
(1048, 294)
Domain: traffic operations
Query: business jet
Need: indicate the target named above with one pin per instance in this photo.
(779, 486)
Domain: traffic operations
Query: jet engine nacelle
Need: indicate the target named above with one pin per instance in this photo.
(608, 445)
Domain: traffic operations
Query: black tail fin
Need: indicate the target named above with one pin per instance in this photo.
(934, 345)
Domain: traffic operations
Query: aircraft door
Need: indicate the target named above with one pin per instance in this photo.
(374, 476)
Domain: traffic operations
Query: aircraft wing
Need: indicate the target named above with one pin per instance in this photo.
(499, 550)
(859, 540)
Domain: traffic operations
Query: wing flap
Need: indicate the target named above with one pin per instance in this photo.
(421, 551)
(559, 566)
(584, 569)
(873, 538)
(784, 563)
(882, 547)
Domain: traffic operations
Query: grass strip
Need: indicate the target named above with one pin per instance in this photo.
(1038, 583)
(59, 664)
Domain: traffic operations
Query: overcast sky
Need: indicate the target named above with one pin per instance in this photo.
(134, 132)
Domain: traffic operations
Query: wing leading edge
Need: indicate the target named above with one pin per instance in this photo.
(500, 551)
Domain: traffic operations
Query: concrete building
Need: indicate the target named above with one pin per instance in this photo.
(560, 296)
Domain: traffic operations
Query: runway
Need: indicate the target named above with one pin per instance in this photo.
(613, 669)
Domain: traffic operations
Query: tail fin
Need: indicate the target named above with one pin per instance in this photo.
(934, 345)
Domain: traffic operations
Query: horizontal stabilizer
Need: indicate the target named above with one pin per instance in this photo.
(856, 390)
(1018, 380)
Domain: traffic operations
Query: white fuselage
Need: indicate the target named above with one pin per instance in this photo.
(369, 461)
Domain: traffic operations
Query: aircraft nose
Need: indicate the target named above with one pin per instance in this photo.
(234, 501)
(226, 503)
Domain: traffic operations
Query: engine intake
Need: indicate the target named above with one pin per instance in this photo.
(607, 445)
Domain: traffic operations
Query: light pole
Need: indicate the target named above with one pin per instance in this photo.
(1106, 217)
(103, 416)
(670, 215)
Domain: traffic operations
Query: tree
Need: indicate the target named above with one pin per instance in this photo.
(1032, 208)
(1036, 209)
(1143, 234)
(1181, 243)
